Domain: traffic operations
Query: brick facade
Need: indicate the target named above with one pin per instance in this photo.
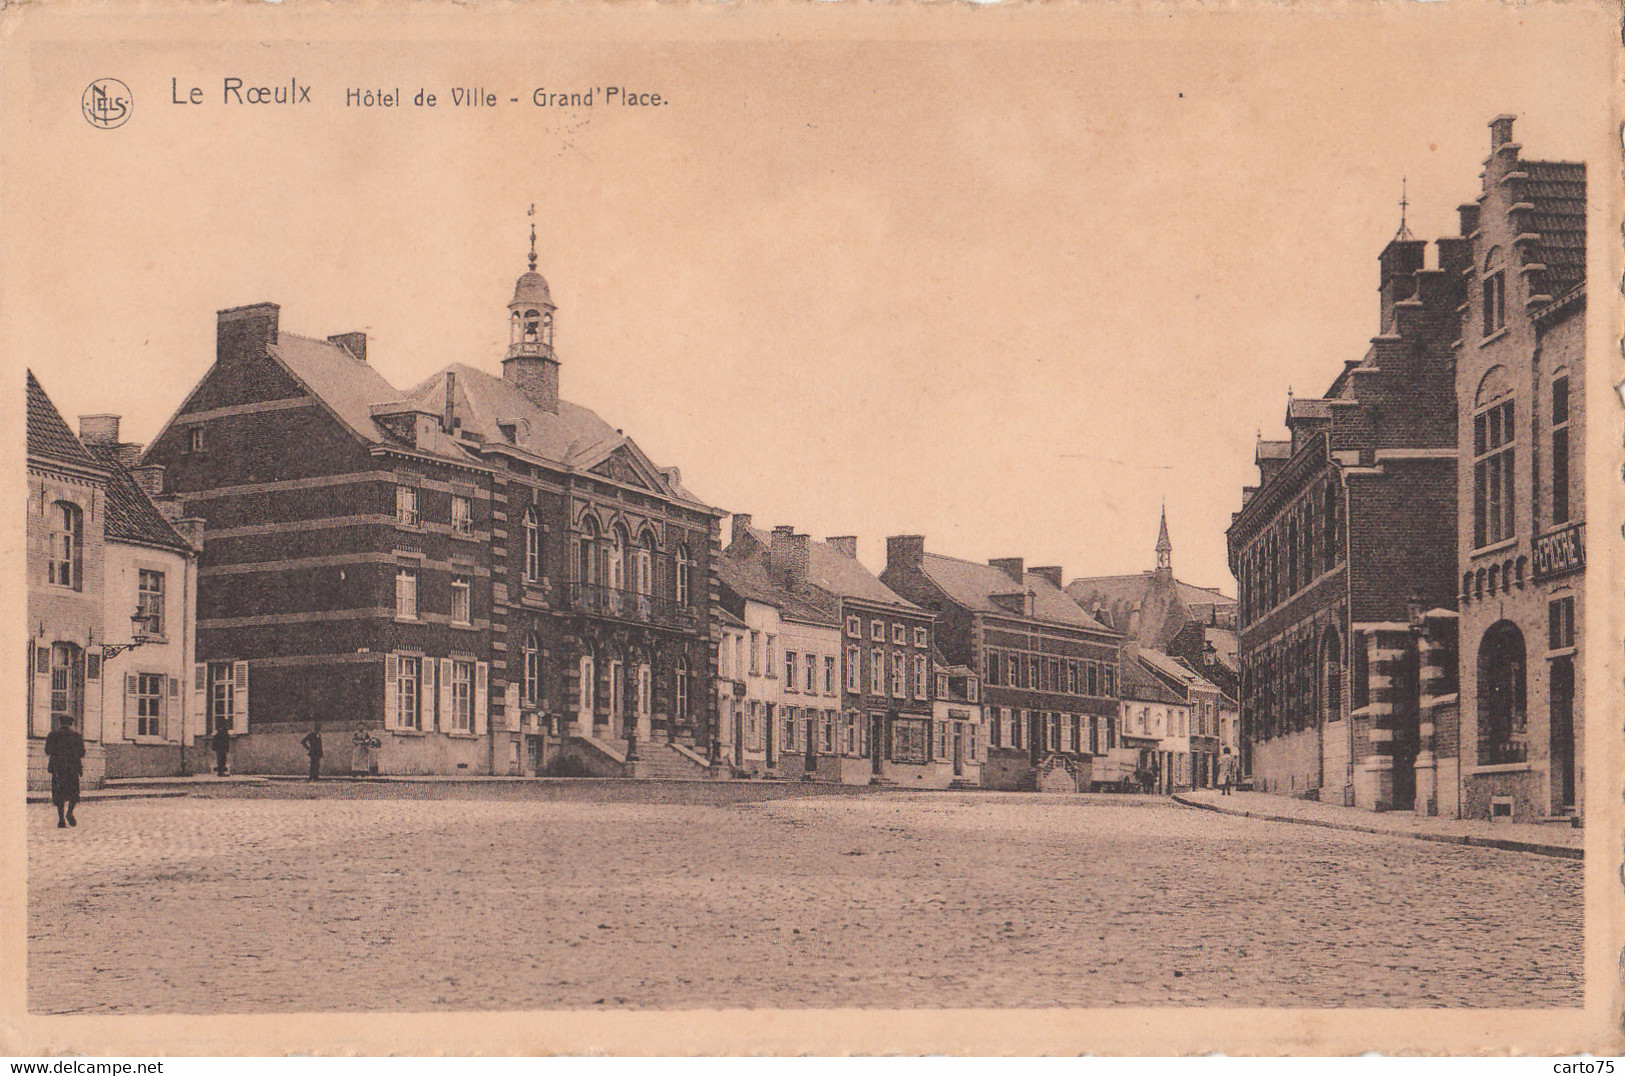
(1520, 382)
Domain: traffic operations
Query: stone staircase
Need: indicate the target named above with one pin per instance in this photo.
(670, 762)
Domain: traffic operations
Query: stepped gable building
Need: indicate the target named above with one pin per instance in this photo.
(1348, 536)
(110, 597)
(1048, 670)
(790, 714)
(886, 704)
(485, 577)
(1152, 607)
(1520, 393)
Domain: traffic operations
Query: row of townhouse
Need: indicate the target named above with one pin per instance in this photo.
(1411, 562)
(474, 576)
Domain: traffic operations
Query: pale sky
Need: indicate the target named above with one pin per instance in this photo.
(1009, 294)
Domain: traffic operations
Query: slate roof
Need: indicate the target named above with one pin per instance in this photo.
(347, 385)
(748, 578)
(1274, 450)
(1115, 588)
(839, 575)
(1135, 684)
(48, 435)
(131, 515)
(575, 437)
(1174, 669)
(1558, 191)
(973, 586)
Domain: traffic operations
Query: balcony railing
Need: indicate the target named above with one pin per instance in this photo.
(598, 600)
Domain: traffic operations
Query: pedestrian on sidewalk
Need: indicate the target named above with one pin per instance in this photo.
(221, 742)
(1227, 772)
(65, 754)
(312, 743)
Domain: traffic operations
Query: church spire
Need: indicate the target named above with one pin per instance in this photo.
(1165, 548)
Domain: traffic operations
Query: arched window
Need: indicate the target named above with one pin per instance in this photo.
(67, 546)
(531, 685)
(547, 327)
(533, 546)
(587, 552)
(680, 707)
(685, 566)
(1494, 459)
(645, 572)
(1503, 726)
(1494, 292)
(1495, 579)
(513, 328)
(1478, 584)
(1331, 676)
(617, 559)
(533, 322)
(1466, 586)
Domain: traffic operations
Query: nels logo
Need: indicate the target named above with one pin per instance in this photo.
(107, 103)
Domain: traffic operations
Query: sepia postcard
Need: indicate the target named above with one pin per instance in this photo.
(843, 529)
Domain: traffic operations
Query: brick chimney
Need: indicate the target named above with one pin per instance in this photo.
(739, 528)
(1011, 566)
(845, 544)
(448, 413)
(905, 551)
(245, 332)
(354, 343)
(787, 557)
(1051, 572)
(1501, 131)
(150, 477)
(100, 431)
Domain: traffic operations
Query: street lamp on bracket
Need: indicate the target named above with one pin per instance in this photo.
(139, 623)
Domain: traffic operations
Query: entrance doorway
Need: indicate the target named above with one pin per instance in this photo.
(959, 748)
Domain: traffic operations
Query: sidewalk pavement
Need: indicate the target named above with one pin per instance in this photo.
(1547, 839)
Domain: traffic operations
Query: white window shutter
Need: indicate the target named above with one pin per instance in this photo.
(173, 717)
(239, 704)
(392, 669)
(481, 685)
(445, 695)
(200, 699)
(132, 684)
(510, 706)
(426, 694)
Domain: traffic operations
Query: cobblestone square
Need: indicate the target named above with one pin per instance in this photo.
(357, 898)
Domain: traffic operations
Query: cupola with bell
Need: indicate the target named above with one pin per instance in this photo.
(530, 363)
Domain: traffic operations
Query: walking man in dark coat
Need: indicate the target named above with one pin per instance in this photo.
(221, 742)
(65, 754)
(312, 743)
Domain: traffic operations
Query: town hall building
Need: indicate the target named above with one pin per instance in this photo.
(475, 573)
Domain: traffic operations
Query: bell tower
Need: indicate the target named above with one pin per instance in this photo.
(1165, 548)
(530, 363)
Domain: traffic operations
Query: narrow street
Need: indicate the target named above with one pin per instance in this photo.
(237, 905)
